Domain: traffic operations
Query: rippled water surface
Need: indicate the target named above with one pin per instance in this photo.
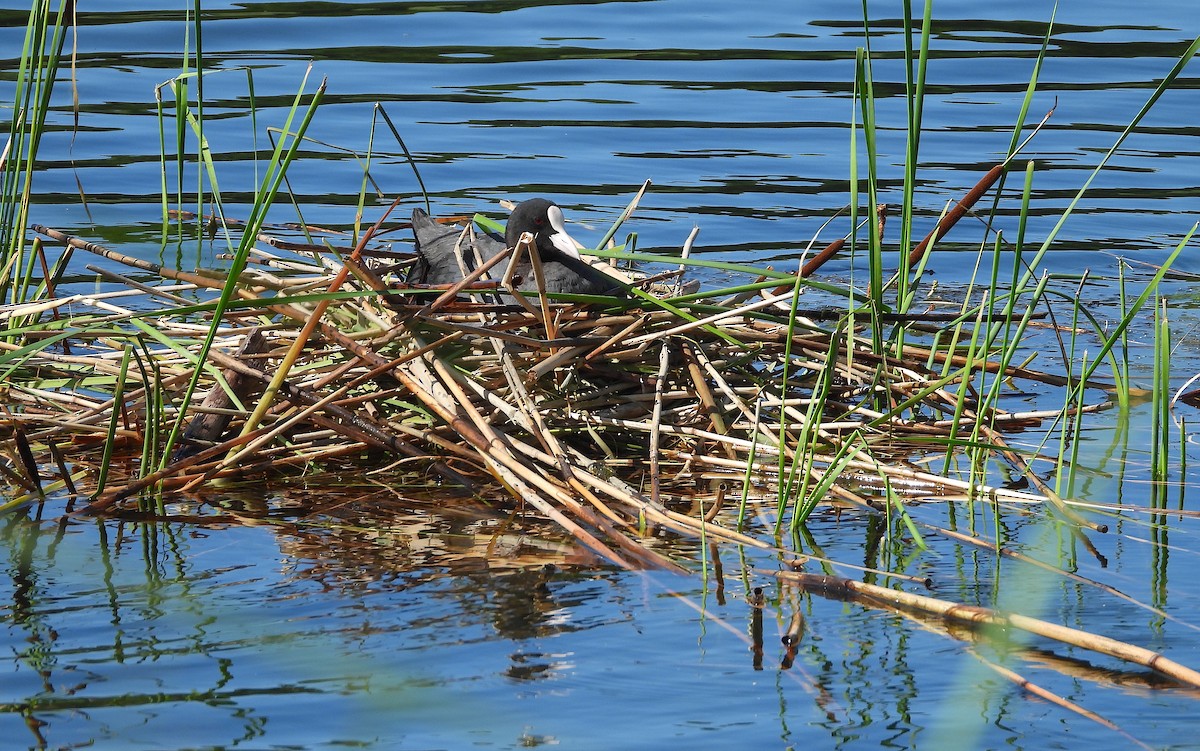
(403, 626)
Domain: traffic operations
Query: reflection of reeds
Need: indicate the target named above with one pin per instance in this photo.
(981, 617)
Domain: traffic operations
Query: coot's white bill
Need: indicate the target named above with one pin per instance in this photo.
(560, 238)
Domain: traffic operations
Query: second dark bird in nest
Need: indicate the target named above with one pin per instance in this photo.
(441, 258)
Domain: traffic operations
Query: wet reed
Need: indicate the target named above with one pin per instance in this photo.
(603, 415)
(686, 407)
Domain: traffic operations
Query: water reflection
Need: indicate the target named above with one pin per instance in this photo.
(358, 596)
(166, 616)
(323, 617)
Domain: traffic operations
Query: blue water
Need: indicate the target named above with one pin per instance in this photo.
(390, 628)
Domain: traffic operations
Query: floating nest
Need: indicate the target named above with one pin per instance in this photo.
(669, 410)
(608, 417)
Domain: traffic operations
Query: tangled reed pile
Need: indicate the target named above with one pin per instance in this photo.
(606, 416)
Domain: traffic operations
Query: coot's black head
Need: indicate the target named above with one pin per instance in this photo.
(545, 220)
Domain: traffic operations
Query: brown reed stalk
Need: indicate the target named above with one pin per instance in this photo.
(664, 362)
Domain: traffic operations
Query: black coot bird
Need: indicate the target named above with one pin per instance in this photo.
(563, 269)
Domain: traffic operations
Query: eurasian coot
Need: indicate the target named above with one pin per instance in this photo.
(562, 267)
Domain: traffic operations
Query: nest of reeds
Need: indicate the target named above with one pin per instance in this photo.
(608, 417)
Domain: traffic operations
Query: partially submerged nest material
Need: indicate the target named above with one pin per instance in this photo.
(606, 418)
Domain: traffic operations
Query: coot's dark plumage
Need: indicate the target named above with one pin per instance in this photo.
(563, 269)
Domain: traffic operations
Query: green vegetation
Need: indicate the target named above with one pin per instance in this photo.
(606, 417)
